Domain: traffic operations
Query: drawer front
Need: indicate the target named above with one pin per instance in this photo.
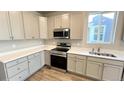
(17, 68)
(81, 57)
(106, 61)
(22, 59)
(31, 56)
(21, 76)
(71, 55)
(11, 63)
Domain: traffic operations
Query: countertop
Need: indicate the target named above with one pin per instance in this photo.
(13, 55)
(85, 51)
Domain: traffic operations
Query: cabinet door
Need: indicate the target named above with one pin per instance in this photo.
(58, 21)
(76, 25)
(42, 58)
(94, 69)
(111, 72)
(71, 65)
(51, 22)
(5, 33)
(47, 58)
(17, 25)
(43, 28)
(34, 64)
(31, 25)
(65, 20)
(80, 66)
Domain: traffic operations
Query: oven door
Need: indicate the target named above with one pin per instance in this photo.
(59, 62)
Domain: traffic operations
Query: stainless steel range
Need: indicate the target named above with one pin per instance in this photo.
(59, 55)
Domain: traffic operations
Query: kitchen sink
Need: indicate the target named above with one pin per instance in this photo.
(102, 54)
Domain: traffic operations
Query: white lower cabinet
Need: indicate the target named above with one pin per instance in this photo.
(71, 65)
(94, 69)
(20, 69)
(21, 76)
(47, 57)
(80, 66)
(111, 72)
(34, 62)
(76, 64)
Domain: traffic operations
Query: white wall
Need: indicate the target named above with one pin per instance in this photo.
(9, 45)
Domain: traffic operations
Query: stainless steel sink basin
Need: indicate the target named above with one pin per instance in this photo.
(102, 54)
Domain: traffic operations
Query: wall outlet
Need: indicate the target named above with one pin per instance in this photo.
(13, 46)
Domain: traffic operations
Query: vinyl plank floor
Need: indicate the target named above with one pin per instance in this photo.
(47, 74)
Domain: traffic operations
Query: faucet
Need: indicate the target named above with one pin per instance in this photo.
(98, 50)
(92, 50)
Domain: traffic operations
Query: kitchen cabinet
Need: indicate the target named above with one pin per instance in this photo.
(47, 57)
(5, 29)
(94, 69)
(71, 65)
(43, 27)
(34, 62)
(80, 66)
(50, 26)
(111, 72)
(31, 25)
(16, 22)
(14, 70)
(21, 68)
(76, 64)
(76, 25)
(62, 21)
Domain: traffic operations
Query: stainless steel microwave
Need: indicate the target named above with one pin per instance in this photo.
(62, 33)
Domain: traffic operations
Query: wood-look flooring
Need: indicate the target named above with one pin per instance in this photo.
(47, 74)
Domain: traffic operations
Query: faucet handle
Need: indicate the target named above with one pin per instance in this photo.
(98, 50)
(92, 50)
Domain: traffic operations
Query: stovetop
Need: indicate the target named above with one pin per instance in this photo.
(61, 49)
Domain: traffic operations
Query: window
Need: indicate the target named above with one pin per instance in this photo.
(101, 27)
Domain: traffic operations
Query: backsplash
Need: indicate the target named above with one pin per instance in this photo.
(74, 43)
(8, 45)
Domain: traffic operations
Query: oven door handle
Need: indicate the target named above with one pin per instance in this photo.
(60, 55)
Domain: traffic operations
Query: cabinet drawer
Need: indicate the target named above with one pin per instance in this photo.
(71, 55)
(106, 61)
(17, 68)
(21, 76)
(81, 57)
(11, 63)
(30, 56)
(96, 59)
(22, 59)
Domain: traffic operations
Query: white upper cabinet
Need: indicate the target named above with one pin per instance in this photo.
(50, 26)
(76, 25)
(5, 31)
(16, 22)
(65, 20)
(62, 21)
(43, 28)
(31, 25)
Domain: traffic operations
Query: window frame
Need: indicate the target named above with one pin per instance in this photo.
(114, 26)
